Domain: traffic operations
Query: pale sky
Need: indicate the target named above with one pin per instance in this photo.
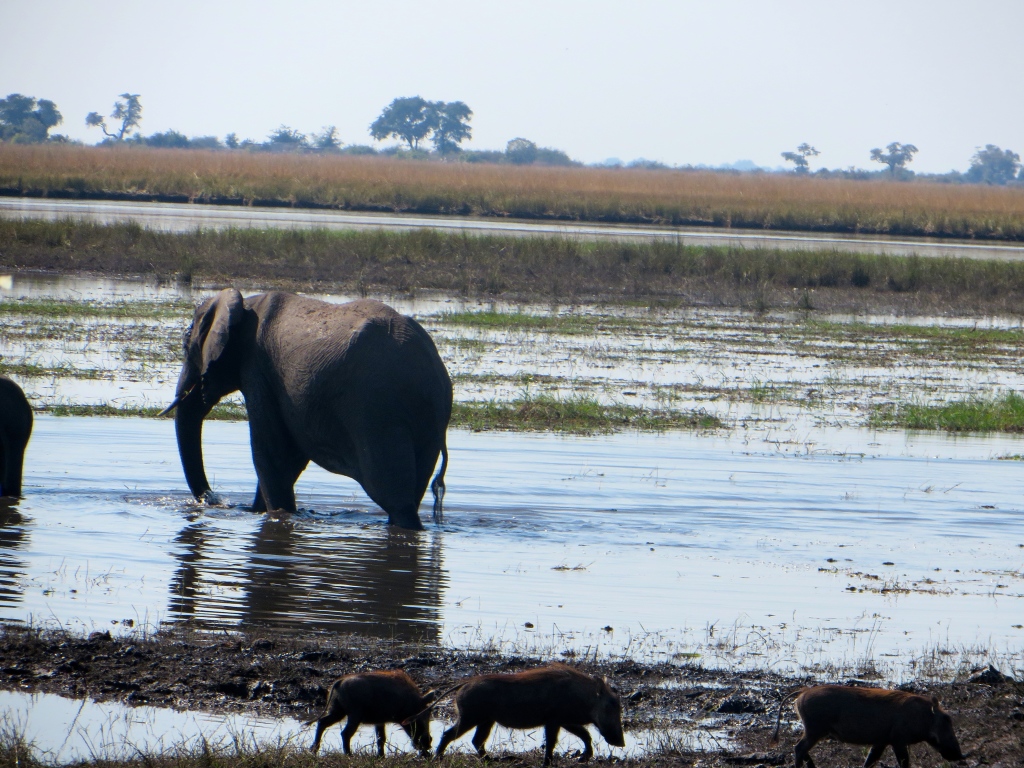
(681, 82)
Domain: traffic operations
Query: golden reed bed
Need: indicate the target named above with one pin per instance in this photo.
(773, 201)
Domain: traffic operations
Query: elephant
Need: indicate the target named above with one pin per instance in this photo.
(15, 430)
(357, 388)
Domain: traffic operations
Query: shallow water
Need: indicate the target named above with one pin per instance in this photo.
(642, 544)
(69, 730)
(792, 540)
(738, 366)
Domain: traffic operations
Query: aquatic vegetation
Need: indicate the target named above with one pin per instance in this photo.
(576, 415)
(513, 268)
(1001, 413)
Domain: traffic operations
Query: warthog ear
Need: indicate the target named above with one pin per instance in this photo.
(429, 696)
(935, 703)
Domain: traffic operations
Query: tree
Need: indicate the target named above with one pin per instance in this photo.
(327, 140)
(410, 119)
(129, 112)
(897, 157)
(799, 158)
(521, 151)
(231, 140)
(286, 139)
(23, 119)
(169, 139)
(993, 165)
(451, 125)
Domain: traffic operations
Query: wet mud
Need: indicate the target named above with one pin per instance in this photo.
(286, 675)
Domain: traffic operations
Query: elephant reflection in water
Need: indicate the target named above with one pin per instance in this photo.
(386, 583)
(13, 537)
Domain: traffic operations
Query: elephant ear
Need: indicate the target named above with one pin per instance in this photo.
(226, 312)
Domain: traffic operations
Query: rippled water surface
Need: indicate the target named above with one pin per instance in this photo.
(658, 544)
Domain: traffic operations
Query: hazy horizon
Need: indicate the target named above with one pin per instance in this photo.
(677, 82)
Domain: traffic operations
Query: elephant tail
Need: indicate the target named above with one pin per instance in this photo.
(437, 486)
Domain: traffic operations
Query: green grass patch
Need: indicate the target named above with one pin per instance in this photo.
(580, 415)
(947, 335)
(577, 415)
(525, 268)
(65, 370)
(121, 310)
(222, 412)
(563, 324)
(998, 414)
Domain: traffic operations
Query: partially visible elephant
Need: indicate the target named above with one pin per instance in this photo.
(357, 388)
(15, 430)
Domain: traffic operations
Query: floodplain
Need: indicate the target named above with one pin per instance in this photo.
(686, 489)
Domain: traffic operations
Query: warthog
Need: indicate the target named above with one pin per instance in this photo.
(377, 698)
(555, 697)
(871, 716)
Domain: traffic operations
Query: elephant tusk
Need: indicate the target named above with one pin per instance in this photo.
(169, 408)
(174, 403)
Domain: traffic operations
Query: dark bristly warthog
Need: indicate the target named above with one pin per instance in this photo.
(871, 716)
(554, 697)
(377, 698)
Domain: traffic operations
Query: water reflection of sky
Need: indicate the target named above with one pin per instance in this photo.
(64, 731)
(673, 543)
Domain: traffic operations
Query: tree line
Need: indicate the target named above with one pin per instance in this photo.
(445, 125)
(989, 165)
(413, 120)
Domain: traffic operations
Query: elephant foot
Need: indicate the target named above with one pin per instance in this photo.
(212, 499)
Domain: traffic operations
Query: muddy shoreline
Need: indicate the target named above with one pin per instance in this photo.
(276, 674)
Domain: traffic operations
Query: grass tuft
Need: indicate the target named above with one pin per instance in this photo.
(221, 412)
(998, 414)
(580, 415)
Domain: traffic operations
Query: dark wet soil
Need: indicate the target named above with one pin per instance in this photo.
(272, 674)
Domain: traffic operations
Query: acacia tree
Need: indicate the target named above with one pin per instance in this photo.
(410, 119)
(993, 165)
(451, 126)
(896, 156)
(799, 158)
(24, 119)
(129, 112)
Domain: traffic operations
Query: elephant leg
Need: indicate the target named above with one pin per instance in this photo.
(258, 503)
(278, 460)
(389, 477)
(12, 457)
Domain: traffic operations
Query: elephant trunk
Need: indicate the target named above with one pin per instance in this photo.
(188, 427)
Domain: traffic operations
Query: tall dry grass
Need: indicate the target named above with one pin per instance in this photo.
(768, 201)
